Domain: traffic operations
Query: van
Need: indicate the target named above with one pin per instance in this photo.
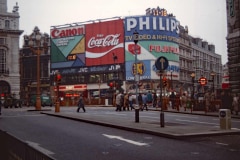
(45, 100)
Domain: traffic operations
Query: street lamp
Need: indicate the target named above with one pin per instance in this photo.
(171, 81)
(135, 39)
(115, 58)
(192, 96)
(37, 42)
(213, 76)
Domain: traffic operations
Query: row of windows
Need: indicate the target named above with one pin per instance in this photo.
(3, 69)
(90, 78)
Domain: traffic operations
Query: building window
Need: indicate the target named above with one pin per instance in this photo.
(2, 41)
(3, 61)
(7, 24)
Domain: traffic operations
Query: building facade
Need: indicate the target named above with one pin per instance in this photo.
(9, 51)
(233, 41)
(90, 54)
(29, 68)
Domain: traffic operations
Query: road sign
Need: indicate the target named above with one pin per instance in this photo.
(203, 81)
(161, 63)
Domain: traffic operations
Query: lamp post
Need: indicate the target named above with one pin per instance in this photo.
(192, 96)
(115, 58)
(99, 90)
(171, 80)
(37, 42)
(213, 76)
(135, 39)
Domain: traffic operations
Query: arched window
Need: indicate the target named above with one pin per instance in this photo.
(7, 24)
(3, 69)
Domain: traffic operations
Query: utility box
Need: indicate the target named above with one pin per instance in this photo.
(225, 118)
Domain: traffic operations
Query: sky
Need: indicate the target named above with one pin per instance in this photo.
(205, 19)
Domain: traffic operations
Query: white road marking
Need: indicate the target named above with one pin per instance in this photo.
(224, 144)
(183, 116)
(125, 140)
(196, 122)
(41, 149)
(235, 121)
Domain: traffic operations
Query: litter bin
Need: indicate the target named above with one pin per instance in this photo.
(225, 118)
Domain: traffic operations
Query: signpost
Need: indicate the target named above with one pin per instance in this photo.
(161, 64)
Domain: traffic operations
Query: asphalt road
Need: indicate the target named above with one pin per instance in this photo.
(65, 139)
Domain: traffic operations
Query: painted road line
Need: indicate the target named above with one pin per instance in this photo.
(125, 140)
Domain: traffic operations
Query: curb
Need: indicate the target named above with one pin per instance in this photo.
(145, 131)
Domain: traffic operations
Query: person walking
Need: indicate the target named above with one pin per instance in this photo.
(130, 99)
(207, 98)
(145, 101)
(126, 102)
(118, 102)
(140, 102)
(149, 99)
(81, 104)
(0, 107)
(172, 99)
(235, 103)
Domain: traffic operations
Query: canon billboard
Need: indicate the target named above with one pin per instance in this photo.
(67, 47)
(103, 40)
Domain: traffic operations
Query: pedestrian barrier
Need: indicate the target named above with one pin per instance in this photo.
(14, 149)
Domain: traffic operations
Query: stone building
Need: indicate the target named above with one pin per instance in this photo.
(9, 50)
(233, 44)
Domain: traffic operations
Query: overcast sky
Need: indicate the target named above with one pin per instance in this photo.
(205, 19)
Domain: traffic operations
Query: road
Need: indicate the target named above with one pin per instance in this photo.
(66, 139)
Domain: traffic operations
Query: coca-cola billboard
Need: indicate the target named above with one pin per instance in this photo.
(103, 40)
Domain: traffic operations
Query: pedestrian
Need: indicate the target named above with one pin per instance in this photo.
(140, 102)
(118, 102)
(126, 102)
(149, 99)
(145, 101)
(207, 99)
(235, 103)
(0, 107)
(81, 104)
(130, 99)
(226, 100)
(184, 101)
(154, 99)
(172, 99)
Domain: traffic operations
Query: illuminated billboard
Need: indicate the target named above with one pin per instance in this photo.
(103, 41)
(67, 47)
(158, 36)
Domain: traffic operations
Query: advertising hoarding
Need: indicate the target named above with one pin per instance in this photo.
(103, 41)
(158, 36)
(67, 47)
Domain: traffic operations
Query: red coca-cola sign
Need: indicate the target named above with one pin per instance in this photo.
(102, 40)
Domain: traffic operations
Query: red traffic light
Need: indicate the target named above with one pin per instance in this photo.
(111, 84)
(58, 77)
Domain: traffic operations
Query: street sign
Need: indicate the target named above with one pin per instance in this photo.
(161, 63)
(203, 81)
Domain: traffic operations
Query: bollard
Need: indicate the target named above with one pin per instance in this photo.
(162, 119)
(136, 115)
(57, 107)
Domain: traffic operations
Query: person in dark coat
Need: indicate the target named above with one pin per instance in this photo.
(0, 107)
(226, 99)
(81, 104)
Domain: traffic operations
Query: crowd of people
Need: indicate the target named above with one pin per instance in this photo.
(126, 101)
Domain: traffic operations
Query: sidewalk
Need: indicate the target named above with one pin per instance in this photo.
(170, 130)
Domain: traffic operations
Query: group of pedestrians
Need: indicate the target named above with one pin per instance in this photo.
(124, 102)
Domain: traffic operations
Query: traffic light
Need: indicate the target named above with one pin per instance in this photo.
(164, 81)
(58, 78)
(111, 84)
